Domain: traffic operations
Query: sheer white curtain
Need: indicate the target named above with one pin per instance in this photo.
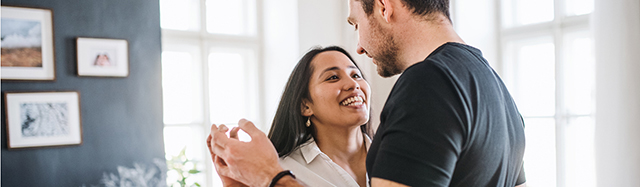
(616, 26)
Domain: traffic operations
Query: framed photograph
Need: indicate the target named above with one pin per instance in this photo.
(27, 44)
(102, 57)
(37, 119)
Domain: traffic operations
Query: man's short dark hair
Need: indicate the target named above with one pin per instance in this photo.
(419, 7)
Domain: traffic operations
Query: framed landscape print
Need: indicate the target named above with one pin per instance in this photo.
(27, 44)
(37, 119)
(102, 57)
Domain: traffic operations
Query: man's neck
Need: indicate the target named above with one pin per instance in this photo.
(419, 38)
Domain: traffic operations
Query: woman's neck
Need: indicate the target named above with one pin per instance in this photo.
(345, 147)
(341, 144)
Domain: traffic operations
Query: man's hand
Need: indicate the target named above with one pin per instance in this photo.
(226, 181)
(253, 163)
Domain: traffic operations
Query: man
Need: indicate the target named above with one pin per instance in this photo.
(449, 120)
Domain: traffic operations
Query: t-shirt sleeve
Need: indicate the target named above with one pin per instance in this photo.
(423, 130)
(521, 177)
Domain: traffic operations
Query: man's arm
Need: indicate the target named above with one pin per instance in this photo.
(378, 182)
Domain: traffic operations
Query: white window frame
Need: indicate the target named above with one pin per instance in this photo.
(560, 25)
(206, 42)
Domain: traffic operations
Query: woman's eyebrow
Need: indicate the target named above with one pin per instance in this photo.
(337, 68)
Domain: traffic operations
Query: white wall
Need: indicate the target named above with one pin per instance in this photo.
(320, 23)
(280, 52)
(616, 26)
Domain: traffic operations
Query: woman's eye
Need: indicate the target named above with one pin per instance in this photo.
(332, 77)
(357, 76)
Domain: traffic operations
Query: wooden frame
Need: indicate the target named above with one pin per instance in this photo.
(27, 44)
(102, 57)
(39, 119)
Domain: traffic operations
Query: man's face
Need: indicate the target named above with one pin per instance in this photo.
(374, 41)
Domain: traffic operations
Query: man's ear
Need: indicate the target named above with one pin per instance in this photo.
(306, 108)
(385, 8)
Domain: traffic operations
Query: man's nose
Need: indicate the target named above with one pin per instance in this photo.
(360, 50)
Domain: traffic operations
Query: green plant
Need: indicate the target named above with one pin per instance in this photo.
(184, 167)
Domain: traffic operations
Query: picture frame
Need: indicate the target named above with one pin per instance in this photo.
(41, 119)
(102, 57)
(27, 44)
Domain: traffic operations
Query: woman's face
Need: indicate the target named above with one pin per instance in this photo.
(339, 94)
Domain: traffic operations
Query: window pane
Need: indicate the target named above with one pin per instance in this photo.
(232, 87)
(579, 7)
(533, 81)
(237, 17)
(177, 138)
(180, 14)
(540, 152)
(178, 87)
(579, 74)
(579, 152)
(524, 12)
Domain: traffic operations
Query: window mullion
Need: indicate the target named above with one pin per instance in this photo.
(499, 36)
(204, 48)
(561, 112)
(525, 29)
(203, 18)
(259, 54)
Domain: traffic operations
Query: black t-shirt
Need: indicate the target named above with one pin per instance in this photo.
(449, 121)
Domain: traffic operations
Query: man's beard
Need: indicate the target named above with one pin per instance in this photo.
(387, 58)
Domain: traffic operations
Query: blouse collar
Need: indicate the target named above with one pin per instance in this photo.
(310, 149)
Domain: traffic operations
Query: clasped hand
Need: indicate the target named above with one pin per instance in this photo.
(239, 163)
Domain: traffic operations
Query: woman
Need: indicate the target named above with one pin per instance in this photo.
(320, 129)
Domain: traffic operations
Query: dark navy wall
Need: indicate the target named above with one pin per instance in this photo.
(121, 117)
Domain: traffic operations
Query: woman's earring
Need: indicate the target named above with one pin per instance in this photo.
(308, 122)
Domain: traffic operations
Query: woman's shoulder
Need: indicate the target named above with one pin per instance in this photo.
(293, 157)
(302, 169)
(301, 153)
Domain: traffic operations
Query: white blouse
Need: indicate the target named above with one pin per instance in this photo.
(314, 168)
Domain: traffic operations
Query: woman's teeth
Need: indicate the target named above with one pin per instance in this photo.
(353, 101)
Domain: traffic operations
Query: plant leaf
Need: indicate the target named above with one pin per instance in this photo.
(194, 171)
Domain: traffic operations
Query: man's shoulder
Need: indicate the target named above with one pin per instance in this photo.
(446, 55)
(455, 48)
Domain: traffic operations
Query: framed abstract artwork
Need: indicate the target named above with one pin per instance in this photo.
(102, 57)
(38, 119)
(27, 44)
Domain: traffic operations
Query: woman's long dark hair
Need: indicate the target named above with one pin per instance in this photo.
(288, 130)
